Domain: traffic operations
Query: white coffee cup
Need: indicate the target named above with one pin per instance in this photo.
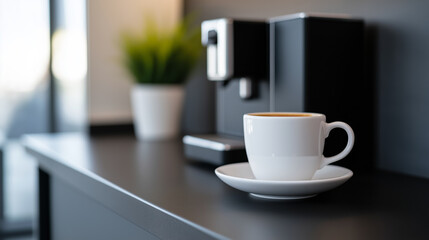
(289, 146)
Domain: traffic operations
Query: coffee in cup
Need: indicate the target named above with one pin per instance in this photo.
(287, 146)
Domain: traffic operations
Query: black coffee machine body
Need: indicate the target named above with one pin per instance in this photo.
(294, 63)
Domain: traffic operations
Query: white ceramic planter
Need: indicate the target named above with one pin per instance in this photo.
(157, 110)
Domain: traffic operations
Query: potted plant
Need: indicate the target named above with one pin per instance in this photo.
(159, 63)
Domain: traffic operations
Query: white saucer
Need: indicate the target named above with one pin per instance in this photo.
(240, 176)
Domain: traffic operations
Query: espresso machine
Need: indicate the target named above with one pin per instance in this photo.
(293, 63)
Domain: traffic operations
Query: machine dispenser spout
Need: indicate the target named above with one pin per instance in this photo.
(236, 50)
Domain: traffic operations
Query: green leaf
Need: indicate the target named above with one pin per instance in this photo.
(156, 57)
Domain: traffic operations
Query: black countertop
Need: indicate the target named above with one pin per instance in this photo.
(154, 186)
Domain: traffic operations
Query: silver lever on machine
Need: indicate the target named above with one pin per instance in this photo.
(217, 35)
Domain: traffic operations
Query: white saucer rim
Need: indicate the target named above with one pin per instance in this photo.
(281, 197)
(346, 176)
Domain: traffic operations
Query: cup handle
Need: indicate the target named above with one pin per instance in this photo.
(347, 149)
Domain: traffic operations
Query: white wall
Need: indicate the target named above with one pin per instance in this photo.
(108, 83)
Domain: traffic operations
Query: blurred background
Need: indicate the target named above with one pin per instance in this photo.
(60, 72)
